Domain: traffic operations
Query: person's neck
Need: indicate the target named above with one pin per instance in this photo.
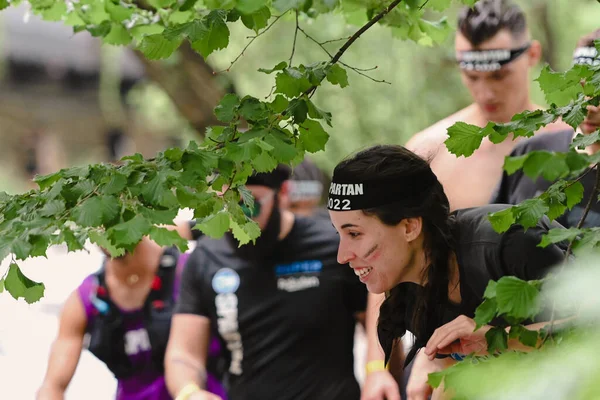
(287, 223)
(137, 267)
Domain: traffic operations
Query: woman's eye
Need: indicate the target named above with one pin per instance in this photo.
(354, 234)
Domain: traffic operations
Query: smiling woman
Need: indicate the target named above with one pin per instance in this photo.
(399, 236)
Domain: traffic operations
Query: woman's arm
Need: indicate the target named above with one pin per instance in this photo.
(65, 351)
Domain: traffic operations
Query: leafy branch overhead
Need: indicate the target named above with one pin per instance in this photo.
(114, 206)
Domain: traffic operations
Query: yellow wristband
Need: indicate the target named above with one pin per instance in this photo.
(187, 391)
(375, 366)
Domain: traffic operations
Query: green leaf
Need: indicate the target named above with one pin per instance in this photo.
(279, 67)
(574, 194)
(285, 5)
(214, 36)
(117, 12)
(161, 3)
(550, 165)
(168, 237)
(96, 211)
(291, 83)
(39, 245)
(517, 298)
(3, 5)
(485, 312)
(513, 164)
(253, 109)
(156, 47)
(159, 216)
(215, 225)
(257, 20)
(502, 220)
(490, 290)
(282, 148)
(558, 235)
(118, 35)
(435, 379)
(246, 232)
(530, 211)
(101, 29)
(337, 75)
(582, 141)
(315, 113)
(54, 13)
(139, 32)
(299, 110)
(226, 110)
(279, 104)
(251, 6)
(20, 286)
(102, 240)
(130, 232)
(45, 181)
(575, 116)
(463, 139)
(560, 88)
(497, 339)
(116, 184)
(73, 242)
(157, 193)
(52, 208)
(264, 162)
(313, 136)
(527, 337)
(21, 248)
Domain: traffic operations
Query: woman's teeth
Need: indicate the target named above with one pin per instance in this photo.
(362, 272)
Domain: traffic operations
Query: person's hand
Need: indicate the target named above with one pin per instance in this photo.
(457, 336)
(592, 120)
(417, 387)
(380, 385)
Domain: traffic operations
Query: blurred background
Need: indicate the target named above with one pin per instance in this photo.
(67, 100)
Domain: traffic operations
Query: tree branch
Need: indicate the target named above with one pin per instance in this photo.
(586, 211)
(295, 37)
(250, 42)
(362, 30)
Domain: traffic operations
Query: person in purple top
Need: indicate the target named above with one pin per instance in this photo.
(122, 314)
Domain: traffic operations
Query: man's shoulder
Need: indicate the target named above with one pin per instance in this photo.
(550, 141)
(428, 141)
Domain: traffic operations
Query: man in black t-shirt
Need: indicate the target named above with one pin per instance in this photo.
(517, 187)
(284, 308)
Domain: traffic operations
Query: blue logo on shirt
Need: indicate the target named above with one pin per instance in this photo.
(299, 267)
(226, 280)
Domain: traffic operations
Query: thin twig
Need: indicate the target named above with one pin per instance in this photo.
(335, 40)
(295, 37)
(423, 5)
(582, 175)
(253, 38)
(357, 70)
(309, 92)
(586, 211)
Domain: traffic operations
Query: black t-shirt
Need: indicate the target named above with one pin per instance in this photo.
(289, 324)
(484, 255)
(518, 187)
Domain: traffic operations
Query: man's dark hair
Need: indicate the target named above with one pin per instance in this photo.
(488, 17)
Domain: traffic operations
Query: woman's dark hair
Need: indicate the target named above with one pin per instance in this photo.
(424, 197)
(488, 17)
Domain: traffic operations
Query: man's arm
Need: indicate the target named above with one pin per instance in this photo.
(185, 359)
(65, 351)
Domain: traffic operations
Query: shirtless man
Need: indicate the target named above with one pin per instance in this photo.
(500, 89)
(499, 85)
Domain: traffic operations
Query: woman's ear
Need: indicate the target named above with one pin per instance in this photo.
(413, 228)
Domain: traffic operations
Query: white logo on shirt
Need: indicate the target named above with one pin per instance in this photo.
(137, 341)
